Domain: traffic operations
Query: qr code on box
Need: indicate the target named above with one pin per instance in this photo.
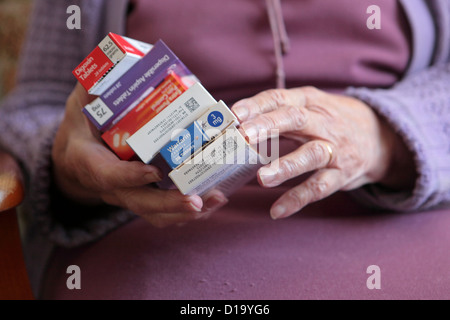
(192, 105)
(229, 146)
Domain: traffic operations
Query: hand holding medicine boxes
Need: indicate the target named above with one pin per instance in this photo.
(150, 106)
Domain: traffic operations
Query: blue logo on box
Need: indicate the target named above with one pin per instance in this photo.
(215, 119)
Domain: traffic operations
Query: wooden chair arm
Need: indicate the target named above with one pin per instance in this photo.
(14, 281)
(11, 185)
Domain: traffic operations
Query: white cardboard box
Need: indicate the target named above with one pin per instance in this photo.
(148, 141)
(225, 163)
(185, 142)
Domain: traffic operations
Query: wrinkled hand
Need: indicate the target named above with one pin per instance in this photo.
(343, 144)
(87, 171)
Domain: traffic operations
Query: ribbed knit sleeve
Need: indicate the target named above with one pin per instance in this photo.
(418, 108)
(31, 114)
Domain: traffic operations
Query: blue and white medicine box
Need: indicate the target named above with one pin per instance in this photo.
(185, 142)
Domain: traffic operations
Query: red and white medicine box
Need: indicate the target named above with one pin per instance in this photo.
(111, 59)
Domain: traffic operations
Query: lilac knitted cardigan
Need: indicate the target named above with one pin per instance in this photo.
(418, 108)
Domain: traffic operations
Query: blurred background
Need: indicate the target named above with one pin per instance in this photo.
(13, 23)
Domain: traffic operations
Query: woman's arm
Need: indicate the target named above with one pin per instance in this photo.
(418, 109)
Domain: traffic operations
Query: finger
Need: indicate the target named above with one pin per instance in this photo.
(267, 101)
(317, 187)
(311, 156)
(148, 201)
(214, 200)
(124, 174)
(101, 170)
(75, 119)
(79, 97)
(279, 121)
(83, 96)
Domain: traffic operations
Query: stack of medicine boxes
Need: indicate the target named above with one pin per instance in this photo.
(149, 106)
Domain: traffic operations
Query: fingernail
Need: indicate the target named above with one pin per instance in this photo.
(251, 132)
(267, 176)
(196, 203)
(215, 202)
(278, 212)
(240, 111)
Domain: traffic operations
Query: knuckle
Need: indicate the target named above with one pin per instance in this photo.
(84, 174)
(318, 188)
(167, 203)
(267, 122)
(298, 118)
(172, 203)
(289, 168)
(297, 198)
(129, 201)
(101, 179)
(310, 90)
(319, 152)
(351, 160)
(311, 94)
(278, 96)
(126, 200)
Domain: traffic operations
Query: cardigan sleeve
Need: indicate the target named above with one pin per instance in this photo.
(32, 113)
(418, 108)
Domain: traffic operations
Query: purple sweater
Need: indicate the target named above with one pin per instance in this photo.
(417, 106)
(329, 47)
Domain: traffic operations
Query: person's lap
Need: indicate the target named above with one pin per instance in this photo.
(240, 253)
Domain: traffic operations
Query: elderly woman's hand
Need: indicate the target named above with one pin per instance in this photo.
(87, 171)
(343, 143)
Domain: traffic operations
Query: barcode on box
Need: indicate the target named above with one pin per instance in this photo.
(192, 105)
(229, 145)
